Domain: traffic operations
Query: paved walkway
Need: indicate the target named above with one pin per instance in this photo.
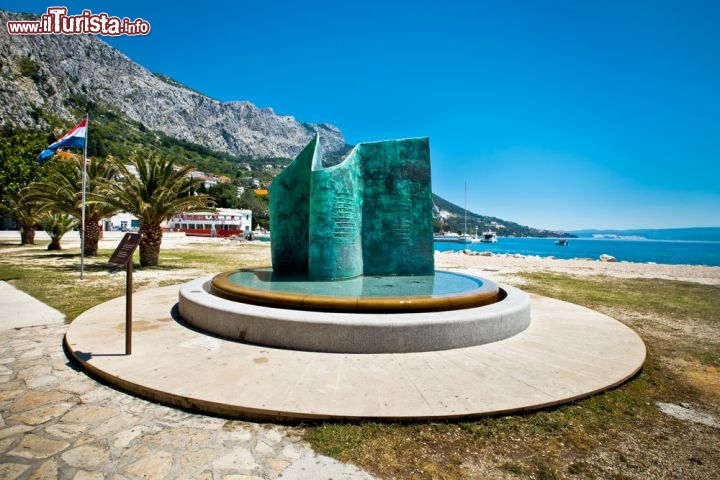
(22, 310)
(57, 423)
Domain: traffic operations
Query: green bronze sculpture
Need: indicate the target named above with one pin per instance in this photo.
(369, 215)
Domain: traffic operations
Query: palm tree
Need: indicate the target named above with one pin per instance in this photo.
(27, 213)
(56, 225)
(61, 192)
(158, 191)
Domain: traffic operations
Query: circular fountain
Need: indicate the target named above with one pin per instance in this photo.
(383, 314)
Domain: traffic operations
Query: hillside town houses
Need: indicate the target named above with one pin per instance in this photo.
(223, 222)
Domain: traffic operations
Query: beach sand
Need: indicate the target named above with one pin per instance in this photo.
(499, 267)
(505, 266)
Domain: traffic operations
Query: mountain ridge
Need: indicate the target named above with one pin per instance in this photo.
(45, 74)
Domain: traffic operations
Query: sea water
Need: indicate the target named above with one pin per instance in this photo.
(638, 251)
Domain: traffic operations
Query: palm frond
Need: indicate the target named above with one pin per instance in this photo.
(157, 192)
(62, 190)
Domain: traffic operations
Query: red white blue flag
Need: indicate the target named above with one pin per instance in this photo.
(74, 138)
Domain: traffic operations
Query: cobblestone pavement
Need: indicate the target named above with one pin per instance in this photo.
(58, 423)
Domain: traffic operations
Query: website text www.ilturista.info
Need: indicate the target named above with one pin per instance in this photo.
(57, 21)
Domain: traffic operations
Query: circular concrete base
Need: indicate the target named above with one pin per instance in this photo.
(353, 332)
(568, 352)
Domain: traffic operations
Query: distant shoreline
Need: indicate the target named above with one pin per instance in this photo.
(689, 234)
(505, 267)
(669, 252)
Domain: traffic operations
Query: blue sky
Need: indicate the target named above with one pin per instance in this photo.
(557, 114)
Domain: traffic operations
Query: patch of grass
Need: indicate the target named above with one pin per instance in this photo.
(577, 468)
(339, 440)
(11, 272)
(488, 428)
(393, 450)
(681, 318)
(649, 296)
(581, 438)
(28, 66)
(38, 245)
(574, 430)
(54, 277)
(513, 467)
(546, 472)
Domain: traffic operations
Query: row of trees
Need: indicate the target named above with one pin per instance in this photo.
(158, 191)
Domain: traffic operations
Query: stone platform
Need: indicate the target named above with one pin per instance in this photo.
(568, 352)
(352, 332)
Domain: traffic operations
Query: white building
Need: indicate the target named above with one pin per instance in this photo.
(122, 221)
(224, 222)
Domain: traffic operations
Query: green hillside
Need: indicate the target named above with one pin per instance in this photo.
(112, 134)
(455, 222)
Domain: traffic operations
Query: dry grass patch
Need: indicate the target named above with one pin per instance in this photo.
(54, 277)
(620, 434)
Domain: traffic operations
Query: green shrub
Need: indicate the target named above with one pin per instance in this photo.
(28, 67)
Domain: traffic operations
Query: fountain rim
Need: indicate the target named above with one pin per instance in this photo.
(487, 294)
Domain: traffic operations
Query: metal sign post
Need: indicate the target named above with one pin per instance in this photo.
(123, 256)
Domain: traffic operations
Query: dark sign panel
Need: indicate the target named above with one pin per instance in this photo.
(124, 252)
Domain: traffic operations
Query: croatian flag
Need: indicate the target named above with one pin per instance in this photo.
(74, 138)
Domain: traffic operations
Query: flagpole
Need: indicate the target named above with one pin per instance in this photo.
(84, 193)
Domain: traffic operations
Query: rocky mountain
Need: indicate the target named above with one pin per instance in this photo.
(44, 75)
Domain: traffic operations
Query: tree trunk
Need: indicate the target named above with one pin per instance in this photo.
(27, 235)
(92, 235)
(54, 243)
(150, 245)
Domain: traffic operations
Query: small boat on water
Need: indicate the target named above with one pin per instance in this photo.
(562, 243)
(488, 237)
(452, 238)
(465, 238)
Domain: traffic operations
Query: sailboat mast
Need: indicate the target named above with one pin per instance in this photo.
(465, 227)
